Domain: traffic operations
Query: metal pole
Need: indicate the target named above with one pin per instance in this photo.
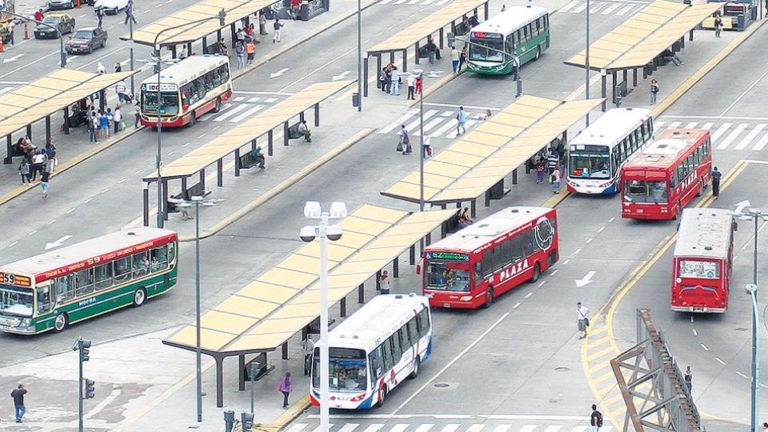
(253, 385)
(755, 339)
(130, 29)
(756, 216)
(421, 150)
(80, 386)
(160, 218)
(586, 62)
(199, 395)
(324, 351)
(360, 58)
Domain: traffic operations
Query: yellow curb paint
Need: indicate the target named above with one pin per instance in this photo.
(294, 411)
(600, 367)
(600, 354)
(605, 376)
(596, 331)
(556, 200)
(597, 342)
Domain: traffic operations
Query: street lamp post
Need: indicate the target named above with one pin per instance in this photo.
(325, 232)
(359, 57)
(421, 144)
(586, 62)
(198, 355)
(130, 29)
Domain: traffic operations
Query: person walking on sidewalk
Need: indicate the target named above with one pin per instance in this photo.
(250, 51)
(411, 80)
(129, 13)
(38, 162)
(583, 320)
(654, 90)
(384, 286)
(455, 59)
(24, 171)
(18, 401)
(50, 153)
(716, 182)
(100, 15)
(277, 26)
(285, 388)
(556, 180)
(461, 121)
(44, 183)
(394, 87)
(596, 419)
(93, 126)
(136, 116)
(688, 379)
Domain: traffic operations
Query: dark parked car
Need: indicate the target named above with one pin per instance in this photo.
(63, 21)
(85, 40)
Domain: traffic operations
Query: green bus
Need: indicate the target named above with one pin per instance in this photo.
(61, 287)
(520, 31)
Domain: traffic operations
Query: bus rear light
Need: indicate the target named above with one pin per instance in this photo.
(358, 398)
(465, 298)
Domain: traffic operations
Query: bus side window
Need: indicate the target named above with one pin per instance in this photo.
(413, 331)
(159, 258)
(43, 298)
(423, 321)
(510, 43)
(517, 248)
(528, 247)
(639, 138)
(140, 264)
(375, 359)
(402, 339)
(397, 350)
(65, 287)
(84, 281)
(487, 263)
(103, 276)
(171, 253)
(696, 157)
(706, 146)
(122, 269)
(386, 349)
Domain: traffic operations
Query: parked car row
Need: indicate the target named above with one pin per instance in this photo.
(111, 7)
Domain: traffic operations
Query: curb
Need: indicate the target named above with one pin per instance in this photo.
(282, 186)
(288, 416)
(78, 159)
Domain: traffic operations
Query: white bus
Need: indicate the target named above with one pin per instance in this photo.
(520, 31)
(597, 154)
(188, 89)
(374, 350)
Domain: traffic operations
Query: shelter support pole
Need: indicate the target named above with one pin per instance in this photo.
(514, 176)
(429, 239)
(645, 74)
(219, 381)
(604, 79)
(29, 131)
(391, 57)
(682, 42)
(412, 255)
(453, 27)
(417, 54)
(485, 7)
(241, 372)
(66, 120)
(253, 144)
(361, 294)
(270, 140)
(396, 267)
(301, 117)
(237, 164)
(488, 198)
(443, 206)
(443, 230)
(145, 203)
(615, 78)
(183, 186)
(165, 199)
(202, 181)
(47, 128)
(189, 48)
(442, 36)
(205, 46)
(377, 71)
(285, 350)
(218, 35)
(9, 149)
(690, 36)
(102, 99)
(317, 115)
(625, 75)
(285, 133)
(405, 60)
(173, 51)
(233, 31)
(564, 138)
(473, 208)
(634, 77)
(343, 307)
(365, 77)
(378, 280)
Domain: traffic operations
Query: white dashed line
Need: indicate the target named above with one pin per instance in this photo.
(611, 219)
(743, 376)
(88, 200)
(104, 191)
(13, 244)
(541, 283)
(566, 262)
(70, 210)
(601, 229)
(529, 294)
(138, 171)
(123, 180)
(32, 233)
(51, 221)
(695, 333)
(516, 305)
(705, 347)
(577, 251)
(589, 240)
(720, 361)
(554, 272)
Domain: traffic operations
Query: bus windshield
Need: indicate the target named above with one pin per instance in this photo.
(348, 370)
(479, 48)
(170, 102)
(15, 301)
(447, 276)
(642, 191)
(592, 164)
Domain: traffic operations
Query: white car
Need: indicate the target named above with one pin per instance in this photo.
(111, 7)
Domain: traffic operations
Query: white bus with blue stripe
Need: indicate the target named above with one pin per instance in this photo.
(596, 155)
(374, 350)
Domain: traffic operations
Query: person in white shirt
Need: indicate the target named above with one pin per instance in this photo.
(411, 80)
(304, 130)
(583, 320)
(117, 118)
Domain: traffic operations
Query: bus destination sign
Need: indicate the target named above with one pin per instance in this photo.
(450, 256)
(12, 279)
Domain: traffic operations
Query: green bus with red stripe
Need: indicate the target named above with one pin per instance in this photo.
(58, 288)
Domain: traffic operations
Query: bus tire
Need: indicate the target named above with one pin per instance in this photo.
(382, 396)
(60, 322)
(536, 273)
(488, 298)
(217, 108)
(538, 53)
(416, 365)
(139, 297)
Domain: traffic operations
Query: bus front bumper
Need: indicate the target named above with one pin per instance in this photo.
(22, 326)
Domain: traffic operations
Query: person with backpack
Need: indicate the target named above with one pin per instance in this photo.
(404, 142)
(285, 388)
(654, 90)
(596, 419)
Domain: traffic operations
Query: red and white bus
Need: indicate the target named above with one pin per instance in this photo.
(188, 89)
(703, 260)
(666, 175)
(472, 267)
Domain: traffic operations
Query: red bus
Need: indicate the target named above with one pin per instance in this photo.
(665, 176)
(472, 267)
(703, 260)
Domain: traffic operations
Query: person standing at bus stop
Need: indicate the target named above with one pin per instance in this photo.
(654, 90)
(285, 388)
(716, 182)
(583, 320)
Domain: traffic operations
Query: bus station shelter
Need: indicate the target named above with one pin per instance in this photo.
(640, 41)
(39, 100)
(232, 140)
(478, 161)
(285, 300)
(419, 31)
(182, 28)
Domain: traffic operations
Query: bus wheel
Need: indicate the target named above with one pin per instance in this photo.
(139, 297)
(415, 372)
(217, 108)
(382, 396)
(536, 273)
(538, 53)
(488, 298)
(61, 322)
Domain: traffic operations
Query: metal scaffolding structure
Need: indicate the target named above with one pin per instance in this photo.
(652, 385)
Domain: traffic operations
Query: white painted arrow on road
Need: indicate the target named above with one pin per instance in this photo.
(341, 76)
(278, 73)
(586, 280)
(57, 243)
(741, 206)
(12, 59)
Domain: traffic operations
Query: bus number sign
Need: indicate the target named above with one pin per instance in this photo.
(7, 278)
(163, 87)
(452, 256)
(12, 279)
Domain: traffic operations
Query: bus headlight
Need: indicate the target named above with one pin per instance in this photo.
(465, 298)
(25, 323)
(678, 280)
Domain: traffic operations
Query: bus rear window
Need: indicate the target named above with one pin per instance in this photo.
(699, 269)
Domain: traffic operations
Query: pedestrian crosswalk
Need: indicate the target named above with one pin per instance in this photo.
(618, 8)
(240, 108)
(490, 426)
(437, 123)
(414, 2)
(728, 135)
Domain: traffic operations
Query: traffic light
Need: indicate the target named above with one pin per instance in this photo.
(246, 419)
(451, 38)
(222, 14)
(84, 346)
(90, 389)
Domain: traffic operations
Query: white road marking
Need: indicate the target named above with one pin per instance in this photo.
(720, 361)
(251, 111)
(596, 8)
(349, 427)
(610, 8)
(13, 244)
(296, 428)
(237, 99)
(732, 136)
(743, 376)
(51, 222)
(400, 427)
(254, 99)
(674, 125)
(579, 8)
(750, 136)
(376, 427)
(589, 240)
(527, 428)
(529, 294)
(502, 428)
(477, 427)
(468, 125)
(695, 333)
(398, 122)
(708, 126)
(566, 262)
(691, 125)
(721, 130)
(555, 428)
(414, 124)
(612, 219)
(554, 272)
(577, 251)
(761, 143)
(601, 229)
(517, 305)
(625, 10)
(705, 347)
(230, 113)
(424, 428)
(540, 284)
(569, 6)
(450, 428)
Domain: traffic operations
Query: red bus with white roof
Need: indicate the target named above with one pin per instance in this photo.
(472, 267)
(666, 175)
(702, 261)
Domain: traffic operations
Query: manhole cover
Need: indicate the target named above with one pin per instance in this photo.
(562, 369)
(442, 385)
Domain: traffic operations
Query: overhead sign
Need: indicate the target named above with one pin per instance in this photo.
(451, 256)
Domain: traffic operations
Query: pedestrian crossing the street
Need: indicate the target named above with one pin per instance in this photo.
(618, 8)
(520, 426)
(437, 123)
(728, 135)
(240, 108)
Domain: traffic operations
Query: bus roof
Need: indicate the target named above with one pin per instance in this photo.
(487, 230)
(188, 69)
(704, 233)
(512, 19)
(78, 253)
(667, 148)
(610, 128)
(376, 320)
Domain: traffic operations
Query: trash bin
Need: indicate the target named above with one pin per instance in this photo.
(304, 11)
